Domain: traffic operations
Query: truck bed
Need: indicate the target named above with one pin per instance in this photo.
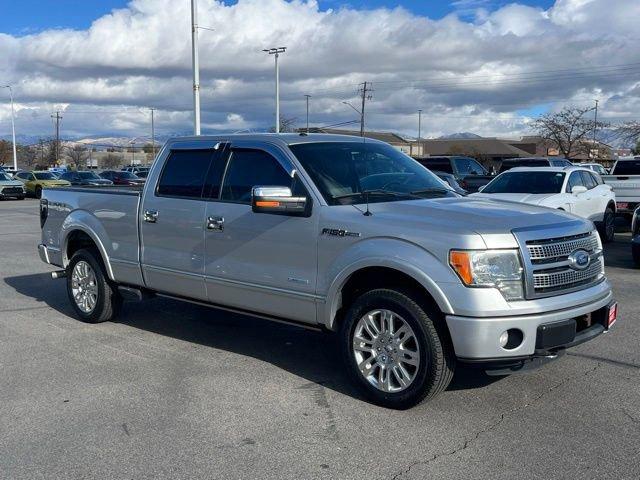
(109, 215)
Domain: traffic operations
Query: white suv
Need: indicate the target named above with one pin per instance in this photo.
(574, 189)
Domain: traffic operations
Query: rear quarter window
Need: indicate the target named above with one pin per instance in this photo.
(627, 167)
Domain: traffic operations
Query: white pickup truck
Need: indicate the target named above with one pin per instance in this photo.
(625, 181)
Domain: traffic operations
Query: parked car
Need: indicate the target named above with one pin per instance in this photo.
(136, 169)
(345, 234)
(635, 237)
(469, 174)
(122, 178)
(10, 188)
(596, 167)
(85, 178)
(573, 189)
(36, 181)
(9, 170)
(625, 181)
(510, 163)
(451, 181)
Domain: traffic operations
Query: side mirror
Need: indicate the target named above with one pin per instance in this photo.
(277, 200)
(578, 189)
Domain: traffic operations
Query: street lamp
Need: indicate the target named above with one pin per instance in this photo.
(347, 103)
(13, 128)
(276, 51)
(195, 60)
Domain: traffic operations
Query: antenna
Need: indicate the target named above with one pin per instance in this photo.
(367, 213)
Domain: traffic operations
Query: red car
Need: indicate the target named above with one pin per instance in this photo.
(122, 178)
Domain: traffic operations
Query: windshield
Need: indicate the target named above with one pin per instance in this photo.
(526, 182)
(88, 175)
(627, 167)
(45, 176)
(128, 176)
(348, 172)
(4, 176)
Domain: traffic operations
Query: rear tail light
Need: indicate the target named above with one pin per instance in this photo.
(44, 211)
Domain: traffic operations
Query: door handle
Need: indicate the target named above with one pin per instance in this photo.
(215, 223)
(150, 216)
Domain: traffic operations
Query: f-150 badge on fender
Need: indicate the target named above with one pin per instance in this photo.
(336, 232)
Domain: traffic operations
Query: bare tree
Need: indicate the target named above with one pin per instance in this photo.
(6, 149)
(630, 132)
(112, 160)
(568, 130)
(287, 125)
(27, 156)
(78, 154)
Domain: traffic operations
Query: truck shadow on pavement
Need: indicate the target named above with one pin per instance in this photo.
(309, 354)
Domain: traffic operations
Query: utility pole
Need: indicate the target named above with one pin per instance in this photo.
(595, 122)
(13, 129)
(365, 96)
(276, 51)
(57, 117)
(153, 135)
(195, 60)
(420, 132)
(308, 97)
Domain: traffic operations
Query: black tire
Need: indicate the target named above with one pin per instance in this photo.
(608, 226)
(635, 252)
(437, 359)
(20, 198)
(108, 301)
(38, 192)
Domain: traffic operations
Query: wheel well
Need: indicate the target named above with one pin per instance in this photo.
(612, 205)
(384, 277)
(79, 240)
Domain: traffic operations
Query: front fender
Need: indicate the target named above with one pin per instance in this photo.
(89, 224)
(400, 255)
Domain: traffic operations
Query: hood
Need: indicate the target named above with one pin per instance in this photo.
(448, 220)
(531, 198)
(11, 183)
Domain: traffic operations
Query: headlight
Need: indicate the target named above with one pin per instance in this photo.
(499, 269)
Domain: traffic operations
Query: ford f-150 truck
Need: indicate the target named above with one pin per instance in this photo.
(340, 233)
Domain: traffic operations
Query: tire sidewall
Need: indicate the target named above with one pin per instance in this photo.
(87, 256)
(410, 312)
(608, 214)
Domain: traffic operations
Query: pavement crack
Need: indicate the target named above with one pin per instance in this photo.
(493, 425)
(631, 417)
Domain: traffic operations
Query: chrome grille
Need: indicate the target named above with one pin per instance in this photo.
(566, 278)
(552, 249)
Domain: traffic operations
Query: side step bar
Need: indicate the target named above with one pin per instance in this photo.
(133, 294)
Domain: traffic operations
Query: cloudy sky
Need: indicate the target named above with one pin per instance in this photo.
(483, 66)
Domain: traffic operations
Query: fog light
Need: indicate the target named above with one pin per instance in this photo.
(511, 339)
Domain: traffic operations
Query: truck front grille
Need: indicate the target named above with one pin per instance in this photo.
(549, 270)
(12, 191)
(564, 278)
(551, 250)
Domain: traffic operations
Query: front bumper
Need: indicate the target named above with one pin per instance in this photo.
(478, 339)
(10, 192)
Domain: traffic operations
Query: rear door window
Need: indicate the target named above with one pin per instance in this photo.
(184, 173)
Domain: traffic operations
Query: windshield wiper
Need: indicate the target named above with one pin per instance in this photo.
(431, 190)
(376, 191)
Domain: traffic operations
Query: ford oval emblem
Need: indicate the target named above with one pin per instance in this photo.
(579, 260)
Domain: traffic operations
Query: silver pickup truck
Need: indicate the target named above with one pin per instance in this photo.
(625, 182)
(340, 233)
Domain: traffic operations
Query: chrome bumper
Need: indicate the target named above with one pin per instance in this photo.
(478, 338)
(49, 255)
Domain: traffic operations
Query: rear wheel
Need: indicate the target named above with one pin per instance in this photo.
(38, 192)
(608, 227)
(394, 351)
(93, 297)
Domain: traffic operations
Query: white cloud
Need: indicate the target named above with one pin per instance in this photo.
(466, 75)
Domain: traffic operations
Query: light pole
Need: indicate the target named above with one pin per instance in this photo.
(13, 128)
(276, 51)
(420, 132)
(195, 60)
(308, 97)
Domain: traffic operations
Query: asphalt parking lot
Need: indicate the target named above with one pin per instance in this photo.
(178, 391)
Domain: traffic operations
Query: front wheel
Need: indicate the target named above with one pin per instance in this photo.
(394, 351)
(93, 297)
(608, 227)
(38, 192)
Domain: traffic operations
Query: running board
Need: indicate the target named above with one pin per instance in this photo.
(132, 294)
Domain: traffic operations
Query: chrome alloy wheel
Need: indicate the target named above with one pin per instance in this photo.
(386, 350)
(84, 287)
